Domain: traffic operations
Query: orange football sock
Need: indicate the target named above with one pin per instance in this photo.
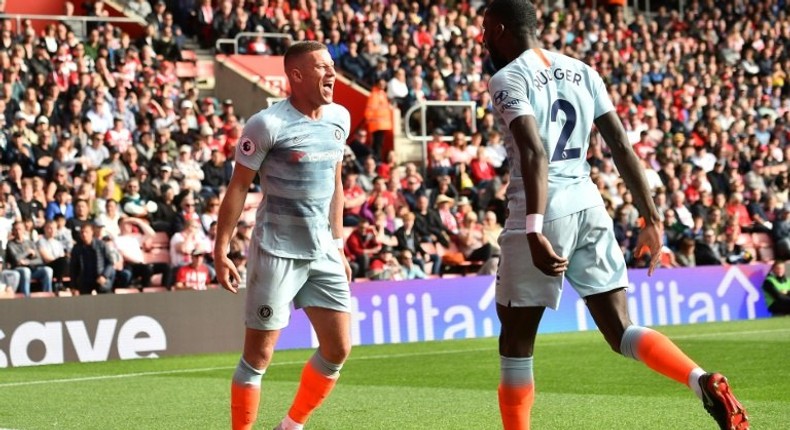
(515, 405)
(658, 353)
(244, 400)
(314, 387)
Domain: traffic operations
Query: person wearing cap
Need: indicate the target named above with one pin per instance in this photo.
(187, 170)
(385, 266)
(20, 126)
(92, 265)
(297, 254)
(228, 110)
(165, 177)
(195, 275)
(444, 205)
(188, 113)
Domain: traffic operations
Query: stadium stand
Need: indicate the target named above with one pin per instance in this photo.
(705, 105)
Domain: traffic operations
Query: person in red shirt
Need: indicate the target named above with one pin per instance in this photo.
(195, 275)
(361, 245)
(480, 168)
(354, 196)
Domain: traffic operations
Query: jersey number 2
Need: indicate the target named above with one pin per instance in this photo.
(560, 152)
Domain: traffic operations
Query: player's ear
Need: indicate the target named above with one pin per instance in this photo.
(296, 74)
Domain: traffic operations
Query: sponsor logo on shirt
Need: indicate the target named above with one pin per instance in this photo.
(500, 96)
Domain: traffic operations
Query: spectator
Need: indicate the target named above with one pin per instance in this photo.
(216, 173)
(776, 288)
(685, 256)
(132, 248)
(165, 219)
(240, 242)
(429, 220)
(53, 254)
(195, 275)
(80, 219)
(409, 269)
(133, 204)
(362, 245)
(707, 251)
(385, 267)
(22, 256)
(410, 239)
(354, 199)
(359, 145)
(187, 170)
(210, 213)
(378, 118)
(472, 239)
(61, 205)
(780, 232)
(184, 242)
(91, 264)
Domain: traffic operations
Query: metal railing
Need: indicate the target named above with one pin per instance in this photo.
(235, 40)
(422, 107)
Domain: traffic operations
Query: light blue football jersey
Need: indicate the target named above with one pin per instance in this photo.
(296, 158)
(565, 96)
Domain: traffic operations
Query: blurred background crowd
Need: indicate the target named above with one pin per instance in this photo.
(97, 130)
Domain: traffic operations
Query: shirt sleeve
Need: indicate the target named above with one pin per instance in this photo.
(603, 104)
(509, 95)
(256, 141)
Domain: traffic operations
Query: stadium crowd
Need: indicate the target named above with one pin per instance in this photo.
(109, 159)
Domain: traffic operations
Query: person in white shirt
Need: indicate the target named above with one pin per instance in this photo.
(133, 246)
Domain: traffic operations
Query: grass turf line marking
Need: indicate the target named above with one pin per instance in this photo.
(371, 357)
(209, 369)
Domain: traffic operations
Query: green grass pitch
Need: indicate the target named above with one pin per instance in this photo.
(580, 384)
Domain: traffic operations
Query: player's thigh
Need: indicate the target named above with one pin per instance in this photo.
(332, 328)
(326, 286)
(519, 282)
(519, 327)
(272, 283)
(597, 264)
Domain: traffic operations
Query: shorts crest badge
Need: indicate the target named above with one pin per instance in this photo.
(265, 312)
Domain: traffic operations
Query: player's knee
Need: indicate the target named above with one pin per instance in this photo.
(337, 353)
(511, 344)
(259, 358)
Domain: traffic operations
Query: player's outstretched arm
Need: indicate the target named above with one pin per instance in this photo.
(534, 173)
(631, 170)
(336, 216)
(229, 212)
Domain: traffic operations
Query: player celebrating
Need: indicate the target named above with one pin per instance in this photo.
(548, 103)
(296, 254)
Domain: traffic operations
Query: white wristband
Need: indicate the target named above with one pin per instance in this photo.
(534, 223)
(338, 243)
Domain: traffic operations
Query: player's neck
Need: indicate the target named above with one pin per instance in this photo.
(524, 45)
(306, 108)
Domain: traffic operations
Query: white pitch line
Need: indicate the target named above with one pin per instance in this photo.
(209, 369)
(370, 357)
(694, 336)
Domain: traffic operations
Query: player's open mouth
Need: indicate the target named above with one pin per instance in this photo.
(329, 86)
